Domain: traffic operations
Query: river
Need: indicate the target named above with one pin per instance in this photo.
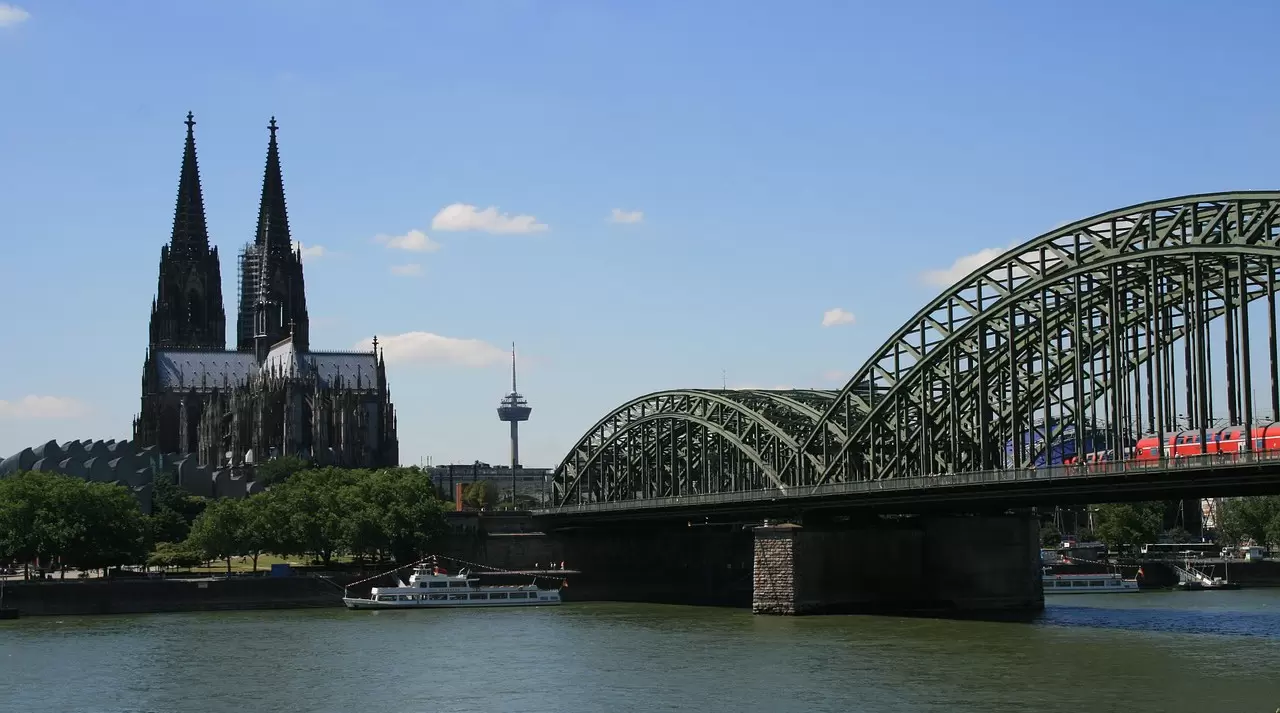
(1199, 652)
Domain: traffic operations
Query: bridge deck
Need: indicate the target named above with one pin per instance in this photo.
(1205, 476)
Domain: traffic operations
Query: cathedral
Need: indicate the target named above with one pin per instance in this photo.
(272, 396)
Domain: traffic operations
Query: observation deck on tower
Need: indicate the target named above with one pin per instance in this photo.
(513, 409)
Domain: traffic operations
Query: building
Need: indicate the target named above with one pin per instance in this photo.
(271, 396)
(533, 483)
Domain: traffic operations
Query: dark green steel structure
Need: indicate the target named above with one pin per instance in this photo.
(1133, 321)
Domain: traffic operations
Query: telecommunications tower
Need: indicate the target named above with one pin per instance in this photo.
(513, 409)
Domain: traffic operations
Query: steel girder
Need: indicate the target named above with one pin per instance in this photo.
(1074, 328)
(688, 442)
(1102, 324)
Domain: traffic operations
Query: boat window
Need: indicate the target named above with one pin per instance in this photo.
(1063, 584)
(437, 597)
(1079, 584)
(479, 595)
(498, 595)
(1113, 583)
(457, 584)
(1097, 583)
(458, 597)
(518, 595)
(411, 597)
(438, 585)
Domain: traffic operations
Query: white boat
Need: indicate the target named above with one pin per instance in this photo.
(433, 588)
(1088, 584)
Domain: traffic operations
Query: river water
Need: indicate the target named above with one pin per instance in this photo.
(1207, 652)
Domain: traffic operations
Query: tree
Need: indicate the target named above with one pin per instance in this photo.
(479, 495)
(313, 519)
(172, 510)
(218, 532)
(170, 554)
(1248, 518)
(412, 512)
(1120, 524)
(1050, 536)
(46, 517)
(278, 470)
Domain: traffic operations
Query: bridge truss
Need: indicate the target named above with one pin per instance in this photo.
(1137, 321)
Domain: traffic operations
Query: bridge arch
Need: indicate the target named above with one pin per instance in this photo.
(690, 442)
(1109, 324)
(1073, 328)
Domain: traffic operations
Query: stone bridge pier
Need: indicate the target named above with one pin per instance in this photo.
(961, 566)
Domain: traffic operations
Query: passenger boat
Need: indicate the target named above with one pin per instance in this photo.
(1088, 584)
(432, 587)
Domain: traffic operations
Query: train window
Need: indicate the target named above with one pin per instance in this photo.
(1152, 451)
(1261, 445)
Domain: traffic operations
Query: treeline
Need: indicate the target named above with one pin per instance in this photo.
(390, 513)
(1121, 525)
(45, 517)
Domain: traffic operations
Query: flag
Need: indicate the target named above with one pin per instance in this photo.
(564, 584)
(1140, 575)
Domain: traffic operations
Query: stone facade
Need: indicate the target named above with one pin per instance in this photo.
(272, 396)
(774, 575)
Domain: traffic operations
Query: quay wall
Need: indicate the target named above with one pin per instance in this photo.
(137, 596)
(1158, 573)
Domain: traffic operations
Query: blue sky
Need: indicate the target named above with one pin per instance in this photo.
(777, 161)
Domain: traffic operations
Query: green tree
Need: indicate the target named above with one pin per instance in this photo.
(1120, 524)
(479, 495)
(171, 554)
(109, 527)
(46, 517)
(412, 512)
(1050, 536)
(278, 470)
(218, 532)
(172, 509)
(1248, 518)
(314, 516)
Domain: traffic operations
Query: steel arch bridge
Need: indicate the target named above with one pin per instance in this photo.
(1131, 322)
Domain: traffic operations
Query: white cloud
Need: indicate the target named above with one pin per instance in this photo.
(11, 15)
(836, 316)
(961, 267)
(626, 216)
(414, 241)
(428, 348)
(311, 252)
(461, 216)
(413, 269)
(42, 407)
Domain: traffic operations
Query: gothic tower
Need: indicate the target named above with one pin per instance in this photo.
(273, 301)
(187, 311)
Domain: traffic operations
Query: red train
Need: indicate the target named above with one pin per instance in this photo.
(1217, 440)
(1187, 443)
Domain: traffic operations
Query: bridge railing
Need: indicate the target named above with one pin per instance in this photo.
(1099, 470)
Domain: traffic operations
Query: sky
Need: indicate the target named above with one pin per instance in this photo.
(641, 196)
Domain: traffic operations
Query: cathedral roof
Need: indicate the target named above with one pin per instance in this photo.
(201, 370)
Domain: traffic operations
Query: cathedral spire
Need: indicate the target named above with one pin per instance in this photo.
(273, 219)
(190, 236)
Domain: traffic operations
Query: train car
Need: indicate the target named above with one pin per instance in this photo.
(1230, 439)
